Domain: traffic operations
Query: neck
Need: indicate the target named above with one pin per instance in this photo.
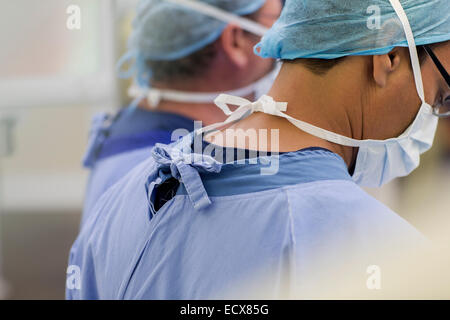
(222, 78)
(331, 102)
(207, 113)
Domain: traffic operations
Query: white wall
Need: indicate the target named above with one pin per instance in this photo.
(52, 80)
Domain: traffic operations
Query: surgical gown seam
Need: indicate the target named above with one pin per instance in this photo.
(152, 226)
(275, 191)
(292, 242)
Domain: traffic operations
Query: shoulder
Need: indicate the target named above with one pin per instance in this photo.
(343, 206)
(337, 194)
(128, 192)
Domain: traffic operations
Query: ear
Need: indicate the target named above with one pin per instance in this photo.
(236, 45)
(384, 65)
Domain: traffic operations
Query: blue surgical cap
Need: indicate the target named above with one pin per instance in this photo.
(168, 31)
(329, 29)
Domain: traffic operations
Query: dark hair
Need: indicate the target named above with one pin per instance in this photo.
(185, 68)
(192, 66)
(322, 66)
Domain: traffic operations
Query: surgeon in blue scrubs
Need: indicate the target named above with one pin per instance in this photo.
(352, 106)
(179, 68)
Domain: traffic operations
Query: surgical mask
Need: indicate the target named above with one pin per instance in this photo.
(378, 161)
(155, 96)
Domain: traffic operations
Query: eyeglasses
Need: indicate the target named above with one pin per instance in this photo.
(442, 110)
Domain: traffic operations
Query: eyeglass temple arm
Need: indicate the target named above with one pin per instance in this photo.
(438, 64)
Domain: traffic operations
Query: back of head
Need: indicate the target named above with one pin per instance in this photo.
(389, 82)
(167, 31)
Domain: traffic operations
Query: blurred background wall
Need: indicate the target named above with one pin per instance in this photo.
(52, 80)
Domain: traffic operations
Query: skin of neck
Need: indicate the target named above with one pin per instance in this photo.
(334, 101)
(222, 76)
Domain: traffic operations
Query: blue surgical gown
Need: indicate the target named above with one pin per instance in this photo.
(117, 144)
(180, 226)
